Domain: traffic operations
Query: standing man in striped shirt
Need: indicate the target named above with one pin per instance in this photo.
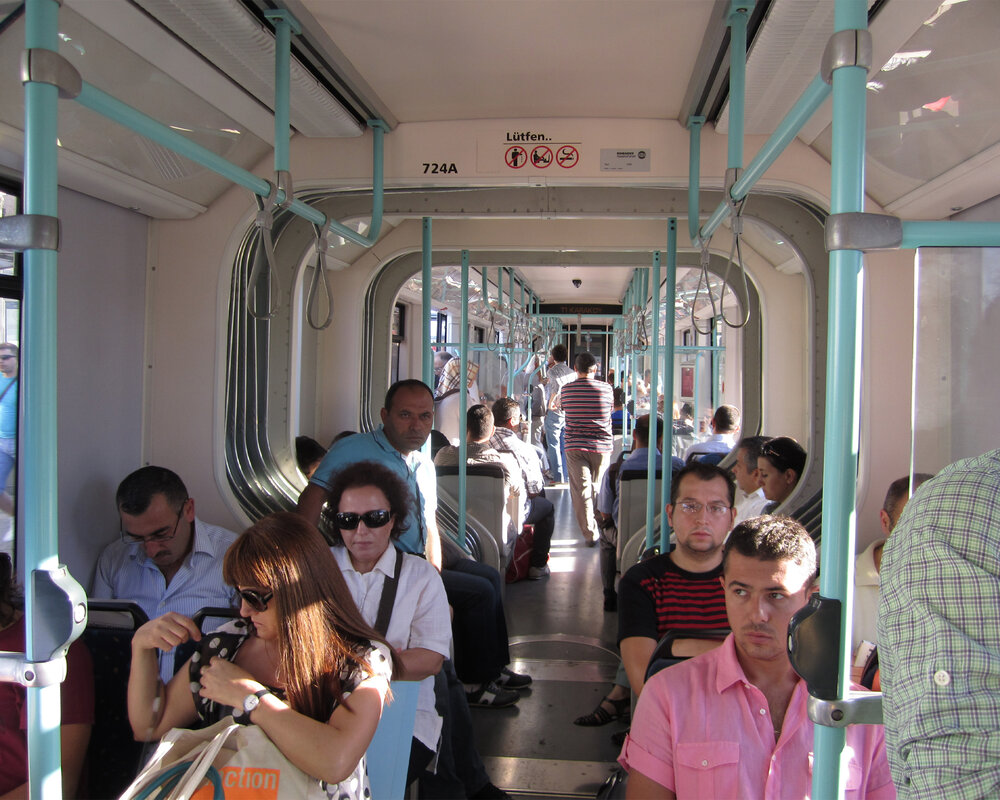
(587, 404)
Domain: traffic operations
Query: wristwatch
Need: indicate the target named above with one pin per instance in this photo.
(250, 702)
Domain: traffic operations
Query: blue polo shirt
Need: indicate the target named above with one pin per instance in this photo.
(416, 469)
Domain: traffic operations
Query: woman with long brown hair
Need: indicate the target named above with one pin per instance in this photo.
(288, 666)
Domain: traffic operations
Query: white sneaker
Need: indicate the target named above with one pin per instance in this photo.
(535, 573)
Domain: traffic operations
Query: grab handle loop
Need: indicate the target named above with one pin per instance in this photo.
(703, 277)
(265, 222)
(322, 241)
(736, 206)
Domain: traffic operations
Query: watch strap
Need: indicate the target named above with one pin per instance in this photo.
(243, 717)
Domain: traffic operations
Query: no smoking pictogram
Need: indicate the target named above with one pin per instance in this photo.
(541, 156)
(567, 156)
(516, 157)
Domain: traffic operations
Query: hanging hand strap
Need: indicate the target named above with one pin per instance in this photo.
(703, 277)
(265, 222)
(736, 250)
(322, 243)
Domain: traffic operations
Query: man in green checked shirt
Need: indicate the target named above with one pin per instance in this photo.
(939, 636)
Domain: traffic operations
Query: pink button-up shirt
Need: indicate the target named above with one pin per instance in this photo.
(704, 731)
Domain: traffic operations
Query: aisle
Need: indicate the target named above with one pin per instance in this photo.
(561, 636)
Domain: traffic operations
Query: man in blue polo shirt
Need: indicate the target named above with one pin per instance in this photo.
(166, 559)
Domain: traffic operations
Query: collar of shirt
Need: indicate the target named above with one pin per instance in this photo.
(202, 546)
(865, 573)
(386, 563)
(479, 448)
(744, 496)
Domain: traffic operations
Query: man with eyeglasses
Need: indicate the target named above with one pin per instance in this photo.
(676, 591)
(166, 559)
(8, 421)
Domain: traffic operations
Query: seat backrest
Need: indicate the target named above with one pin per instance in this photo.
(207, 619)
(663, 656)
(485, 499)
(113, 755)
(632, 506)
(708, 458)
(388, 755)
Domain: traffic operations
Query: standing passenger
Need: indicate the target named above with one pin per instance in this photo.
(557, 376)
(587, 404)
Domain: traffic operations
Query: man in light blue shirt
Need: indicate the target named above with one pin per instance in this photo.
(166, 558)
(8, 421)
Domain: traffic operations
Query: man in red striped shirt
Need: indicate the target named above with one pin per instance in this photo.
(587, 404)
(680, 589)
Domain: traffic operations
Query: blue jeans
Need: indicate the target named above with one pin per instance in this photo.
(554, 424)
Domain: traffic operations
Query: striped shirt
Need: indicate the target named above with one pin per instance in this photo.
(587, 404)
(657, 596)
(939, 635)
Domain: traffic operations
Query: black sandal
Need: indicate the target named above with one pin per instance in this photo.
(601, 716)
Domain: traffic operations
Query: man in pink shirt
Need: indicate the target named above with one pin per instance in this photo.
(732, 722)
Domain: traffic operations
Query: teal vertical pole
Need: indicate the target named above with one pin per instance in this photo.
(694, 180)
(39, 422)
(715, 341)
(654, 374)
(463, 396)
(427, 364)
(510, 331)
(840, 456)
(284, 25)
(669, 360)
(739, 11)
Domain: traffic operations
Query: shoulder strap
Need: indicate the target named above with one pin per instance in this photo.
(389, 587)
(7, 387)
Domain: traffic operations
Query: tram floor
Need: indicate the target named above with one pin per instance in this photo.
(560, 635)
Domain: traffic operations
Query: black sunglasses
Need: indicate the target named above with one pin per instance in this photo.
(348, 520)
(256, 600)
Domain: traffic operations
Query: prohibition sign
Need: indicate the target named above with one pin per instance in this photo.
(567, 156)
(516, 157)
(541, 156)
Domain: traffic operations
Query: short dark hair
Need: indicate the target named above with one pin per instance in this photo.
(726, 418)
(772, 538)
(687, 410)
(618, 396)
(9, 346)
(785, 453)
(703, 472)
(559, 353)
(641, 430)
(409, 383)
(900, 490)
(308, 451)
(371, 473)
(751, 447)
(137, 491)
(505, 409)
(478, 421)
(584, 362)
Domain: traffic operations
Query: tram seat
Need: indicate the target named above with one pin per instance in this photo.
(662, 656)
(485, 500)
(810, 516)
(113, 756)
(707, 458)
(632, 509)
(388, 754)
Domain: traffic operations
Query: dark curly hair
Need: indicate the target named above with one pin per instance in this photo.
(371, 473)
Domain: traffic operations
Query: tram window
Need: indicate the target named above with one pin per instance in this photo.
(10, 336)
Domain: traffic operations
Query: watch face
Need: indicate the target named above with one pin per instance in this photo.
(251, 702)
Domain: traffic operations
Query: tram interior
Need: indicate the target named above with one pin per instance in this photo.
(159, 360)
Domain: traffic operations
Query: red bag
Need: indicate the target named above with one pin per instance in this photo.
(520, 558)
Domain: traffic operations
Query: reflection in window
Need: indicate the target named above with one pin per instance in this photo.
(10, 327)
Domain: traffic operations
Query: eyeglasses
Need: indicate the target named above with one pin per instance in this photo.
(256, 600)
(159, 536)
(715, 509)
(348, 520)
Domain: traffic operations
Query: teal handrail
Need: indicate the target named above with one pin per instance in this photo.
(669, 362)
(463, 397)
(427, 256)
(654, 374)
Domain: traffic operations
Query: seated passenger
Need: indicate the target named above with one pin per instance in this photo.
(402, 596)
(678, 590)
(725, 425)
(306, 668)
(308, 454)
(618, 413)
(735, 719)
(166, 558)
(868, 564)
(479, 626)
(479, 450)
(538, 511)
(780, 464)
(750, 500)
(77, 693)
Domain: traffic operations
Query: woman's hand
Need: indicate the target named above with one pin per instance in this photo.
(227, 684)
(165, 633)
